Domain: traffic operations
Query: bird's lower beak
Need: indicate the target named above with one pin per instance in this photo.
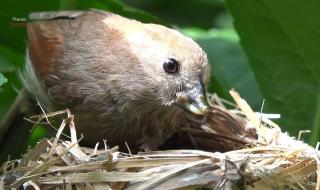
(193, 101)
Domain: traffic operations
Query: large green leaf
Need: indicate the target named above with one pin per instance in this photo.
(282, 41)
(200, 13)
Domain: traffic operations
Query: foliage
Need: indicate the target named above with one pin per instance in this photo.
(201, 13)
(281, 39)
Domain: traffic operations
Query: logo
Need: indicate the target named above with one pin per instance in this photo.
(18, 22)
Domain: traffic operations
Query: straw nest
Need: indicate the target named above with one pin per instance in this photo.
(254, 154)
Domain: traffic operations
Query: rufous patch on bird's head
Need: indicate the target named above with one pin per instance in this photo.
(176, 65)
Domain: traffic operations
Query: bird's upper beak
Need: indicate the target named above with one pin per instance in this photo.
(193, 100)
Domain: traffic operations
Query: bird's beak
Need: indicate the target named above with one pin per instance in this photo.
(194, 100)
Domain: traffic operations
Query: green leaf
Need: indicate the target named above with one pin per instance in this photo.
(230, 67)
(10, 60)
(38, 133)
(200, 13)
(3, 79)
(281, 39)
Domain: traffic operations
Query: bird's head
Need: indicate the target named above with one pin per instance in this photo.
(176, 70)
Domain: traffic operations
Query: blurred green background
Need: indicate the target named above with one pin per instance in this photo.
(267, 50)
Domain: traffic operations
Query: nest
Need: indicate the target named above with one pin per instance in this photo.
(232, 149)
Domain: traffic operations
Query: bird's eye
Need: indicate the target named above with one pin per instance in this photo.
(171, 66)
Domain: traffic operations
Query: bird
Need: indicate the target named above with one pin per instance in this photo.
(125, 81)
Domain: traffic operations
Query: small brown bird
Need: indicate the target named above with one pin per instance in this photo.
(124, 80)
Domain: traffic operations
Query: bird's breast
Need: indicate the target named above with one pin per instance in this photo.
(138, 125)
